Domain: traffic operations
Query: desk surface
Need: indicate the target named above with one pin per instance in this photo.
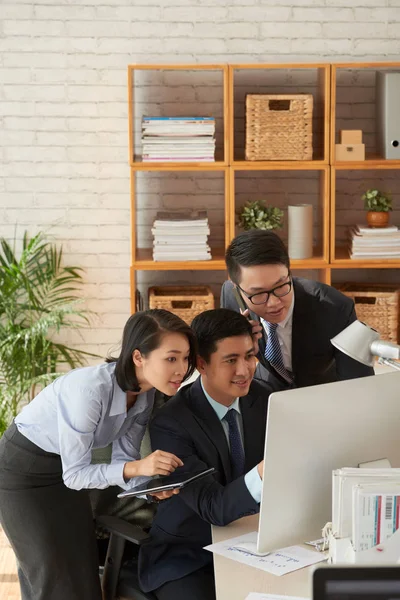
(234, 581)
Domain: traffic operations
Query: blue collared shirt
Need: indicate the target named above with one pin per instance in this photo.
(252, 479)
(83, 410)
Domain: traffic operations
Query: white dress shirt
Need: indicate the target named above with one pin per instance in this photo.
(82, 410)
(284, 333)
(252, 479)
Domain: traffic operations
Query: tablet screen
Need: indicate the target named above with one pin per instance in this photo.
(160, 484)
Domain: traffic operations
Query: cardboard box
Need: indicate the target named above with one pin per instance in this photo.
(348, 152)
(350, 136)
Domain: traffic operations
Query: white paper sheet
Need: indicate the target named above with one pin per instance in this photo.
(257, 596)
(278, 562)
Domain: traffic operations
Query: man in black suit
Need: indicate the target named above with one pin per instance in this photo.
(293, 319)
(218, 421)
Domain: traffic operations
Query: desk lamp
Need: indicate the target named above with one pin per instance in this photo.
(362, 343)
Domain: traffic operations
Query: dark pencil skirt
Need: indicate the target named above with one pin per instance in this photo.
(49, 526)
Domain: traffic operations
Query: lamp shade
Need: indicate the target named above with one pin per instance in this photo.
(355, 341)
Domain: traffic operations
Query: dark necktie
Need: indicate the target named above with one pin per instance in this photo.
(273, 352)
(235, 441)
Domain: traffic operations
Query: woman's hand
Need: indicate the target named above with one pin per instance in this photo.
(165, 495)
(157, 463)
(257, 330)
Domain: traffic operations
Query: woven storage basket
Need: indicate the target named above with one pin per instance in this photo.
(279, 127)
(186, 302)
(377, 305)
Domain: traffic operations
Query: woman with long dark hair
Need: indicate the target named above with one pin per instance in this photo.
(45, 455)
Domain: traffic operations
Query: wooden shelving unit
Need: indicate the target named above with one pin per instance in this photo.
(339, 254)
(235, 81)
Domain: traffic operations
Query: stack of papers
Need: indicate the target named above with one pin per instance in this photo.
(181, 236)
(279, 562)
(178, 139)
(367, 242)
(365, 505)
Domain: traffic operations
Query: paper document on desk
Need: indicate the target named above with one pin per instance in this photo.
(258, 596)
(278, 562)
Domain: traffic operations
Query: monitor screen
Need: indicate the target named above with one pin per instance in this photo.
(310, 432)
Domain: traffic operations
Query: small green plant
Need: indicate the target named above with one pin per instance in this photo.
(256, 215)
(376, 201)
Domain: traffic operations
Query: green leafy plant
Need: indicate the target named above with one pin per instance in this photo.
(38, 298)
(376, 201)
(256, 215)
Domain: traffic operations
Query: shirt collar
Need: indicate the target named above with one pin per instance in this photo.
(220, 409)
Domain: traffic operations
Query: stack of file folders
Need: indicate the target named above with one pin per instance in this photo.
(178, 139)
(181, 236)
(365, 505)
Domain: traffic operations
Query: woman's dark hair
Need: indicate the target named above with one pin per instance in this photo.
(211, 326)
(144, 332)
(253, 248)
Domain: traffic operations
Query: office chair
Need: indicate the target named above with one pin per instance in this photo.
(120, 580)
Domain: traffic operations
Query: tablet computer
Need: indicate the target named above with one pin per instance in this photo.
(163, 484)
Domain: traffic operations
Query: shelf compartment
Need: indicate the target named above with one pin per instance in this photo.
(173, 91)
(281, 188)
(347, 209)
(353, 106)
(279, 79)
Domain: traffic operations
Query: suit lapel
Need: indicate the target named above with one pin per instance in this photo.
(253, 428)
(211, 425)
(300, 328)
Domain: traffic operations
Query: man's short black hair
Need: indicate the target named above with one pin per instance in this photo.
(211, 326)
(253, 248)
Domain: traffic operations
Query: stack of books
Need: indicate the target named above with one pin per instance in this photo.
(178, 139)
(181, 236)
(367, 242)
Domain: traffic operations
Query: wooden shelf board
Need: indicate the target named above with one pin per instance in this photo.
(366, 65)
(279, 165)
(144, 262)
(316, 262)
(177, 67)
(139, 165)
(342, 260)
(371, 162)
(280, 66)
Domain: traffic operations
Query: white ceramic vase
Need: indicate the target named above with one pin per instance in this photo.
(300, 230)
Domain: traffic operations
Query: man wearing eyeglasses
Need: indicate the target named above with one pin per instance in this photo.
(293, 319)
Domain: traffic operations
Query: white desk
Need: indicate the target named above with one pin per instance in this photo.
(234, 581)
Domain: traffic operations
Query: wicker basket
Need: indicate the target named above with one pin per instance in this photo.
(377, 305)
(279, 127)
(186, 302)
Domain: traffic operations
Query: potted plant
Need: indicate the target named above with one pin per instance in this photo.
(38, 299)
(378, 206)
(256, 215)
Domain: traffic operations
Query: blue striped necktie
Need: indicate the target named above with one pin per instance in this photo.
(235, 442)
(273, 352)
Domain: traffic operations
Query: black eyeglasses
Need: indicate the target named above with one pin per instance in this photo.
(262, 297)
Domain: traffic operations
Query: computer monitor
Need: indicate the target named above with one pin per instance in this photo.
(356, 583)
(310, 432)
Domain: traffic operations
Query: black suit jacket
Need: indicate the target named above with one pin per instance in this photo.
(320, 312)
(188, 427)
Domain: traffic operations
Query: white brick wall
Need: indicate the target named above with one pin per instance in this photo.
(63, 113)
